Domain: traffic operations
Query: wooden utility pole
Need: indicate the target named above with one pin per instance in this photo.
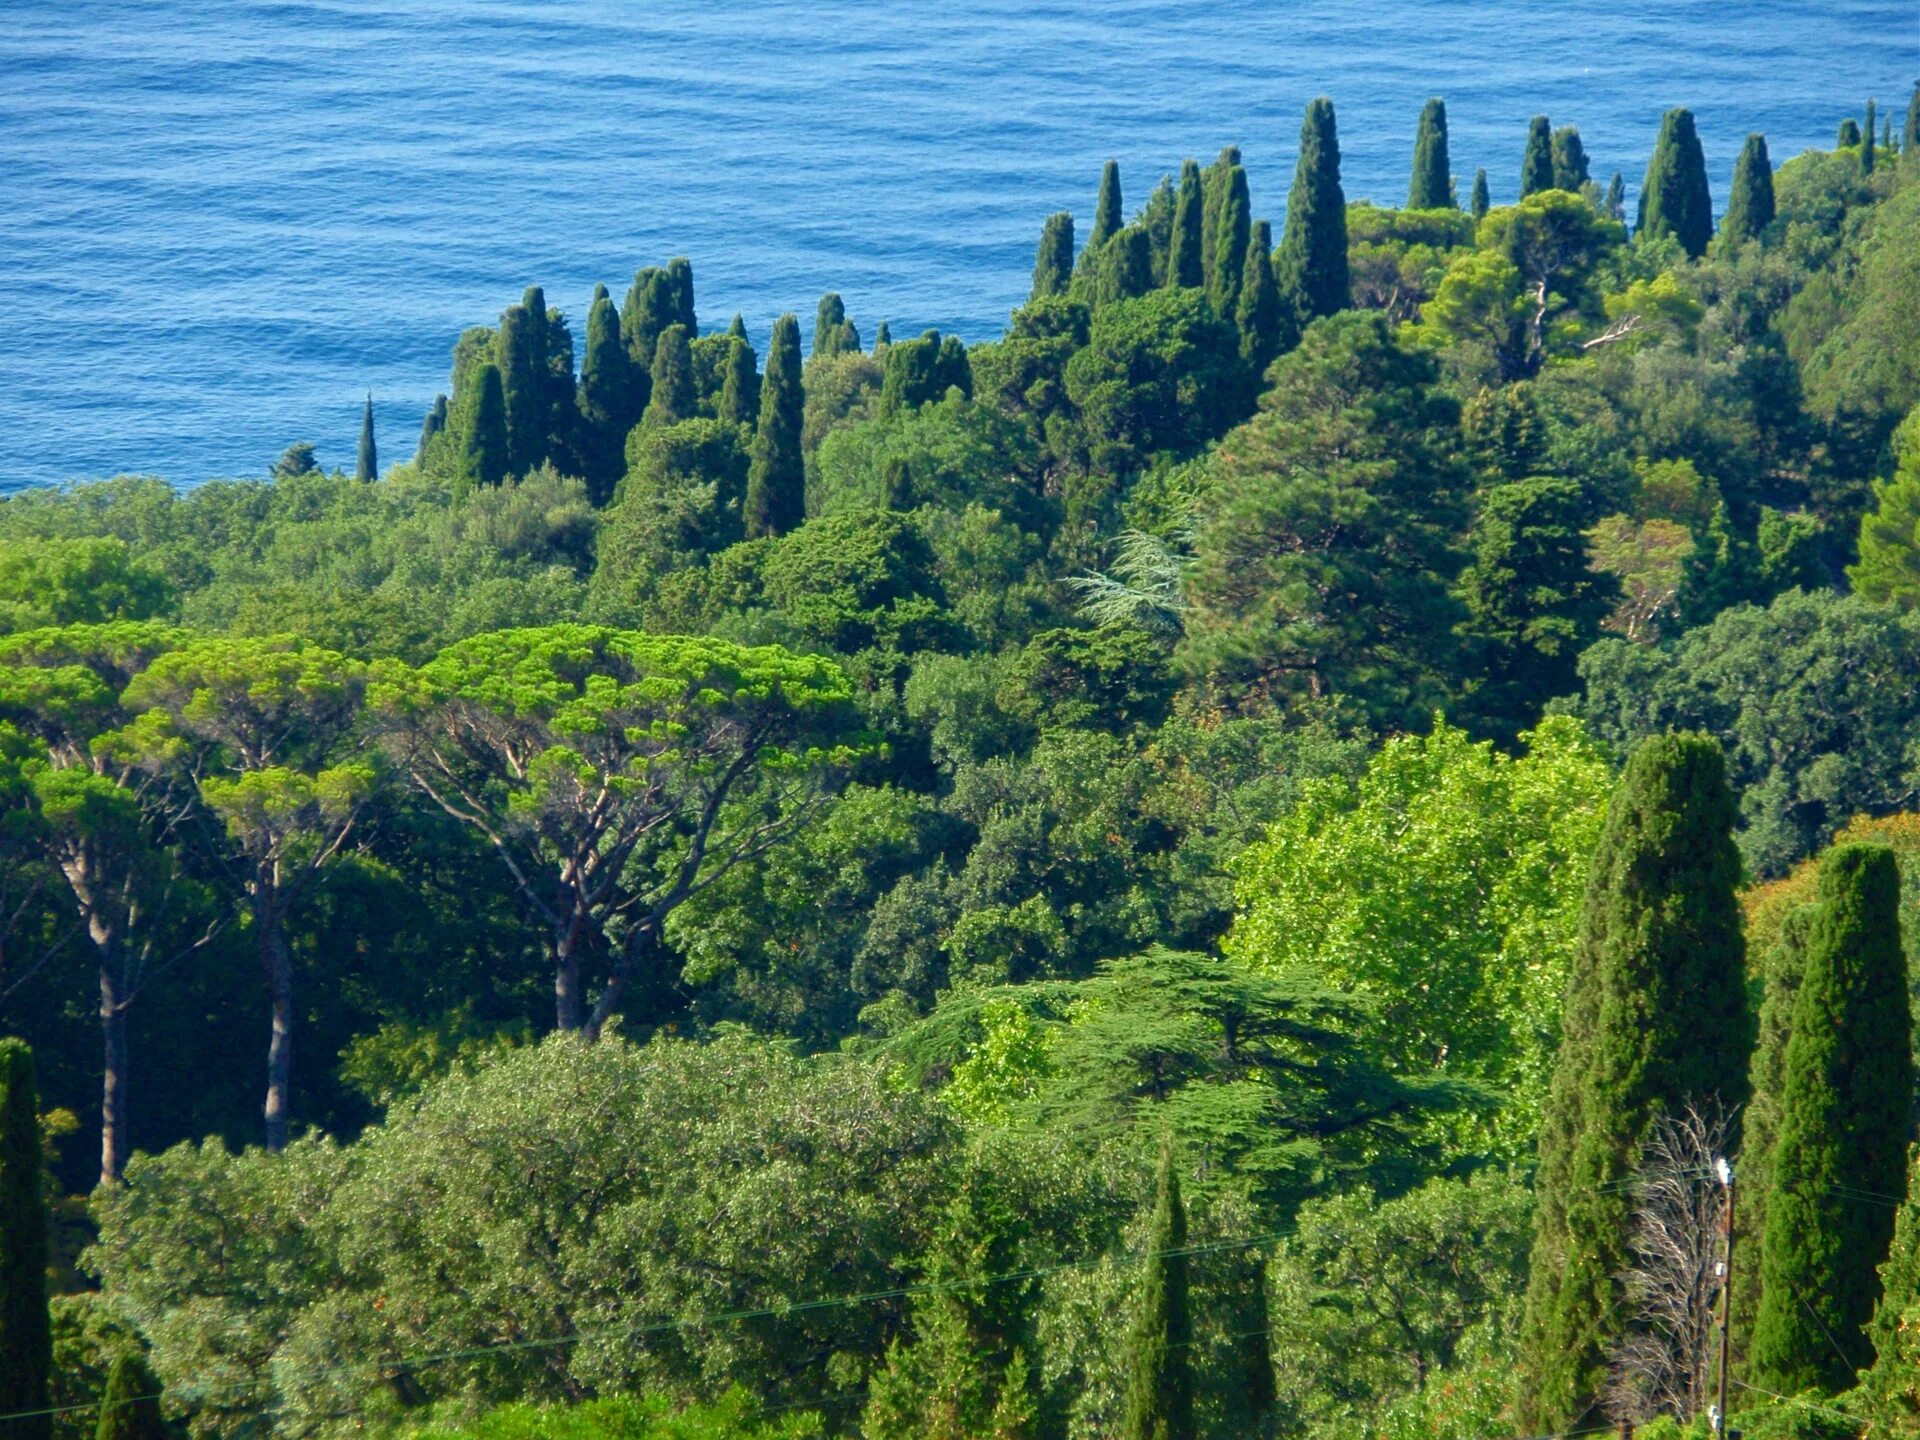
(1725, 1172)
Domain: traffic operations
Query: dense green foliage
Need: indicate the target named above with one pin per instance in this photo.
(26, 1354)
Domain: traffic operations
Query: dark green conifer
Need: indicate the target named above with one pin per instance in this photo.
(435, 422)
(1160, 1346)
(1845, 1121)
(520, 352)
(912, 374)
(26, 1336)
(1536, 165)
(605, 400)
(1571, 169)
(680, 290)
(1053, 263)
(1655, 1018)
(130, 1405)
(1910, 137)
(1674, 199)
(1432, 187)
(1849, 135)
(1311, 266)
(483, 448)
(1106, 210)
(1750, 205)
(648, 309)
(1891, 1385)
(1867, 138)
(366, 464)
(673, 395)
(1213, 193)
(1230, 241)
(1616, 202)
(896, 483)
(1258, 315)
(1479, 205)
(883, 337)
(1185, 265)
(740, 390)
(737, 327)
(776, 480)
(832, 335)
(952, 369)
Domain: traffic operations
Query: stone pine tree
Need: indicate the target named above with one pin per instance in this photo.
(1311, 265)
(130, 1405)
(1479, 205)
(1160, 1346)
(680, 293)
(1258, 315)
(1750, 205)
(1106, 210)
(740, 386)
(776, 479)
(1213, 193)
(1186, 266)
(1230, 245)
(1674, 199)
(1571, 168)
(1845, 1120)
(1432, 187)
(26, 1337)
(432, 425)
(1536, 165)
(366, 464)
(1053, 263)
(673, 397)
(1655, 1018)
(604, 399)
(520, 353)
(483, 448)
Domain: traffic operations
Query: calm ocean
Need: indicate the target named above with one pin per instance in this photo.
(224, 222)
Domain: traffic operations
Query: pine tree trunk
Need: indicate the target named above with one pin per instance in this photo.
(569, 998)
(277, 962)
(113, 1071)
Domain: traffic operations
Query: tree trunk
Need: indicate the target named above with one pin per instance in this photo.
(569, 1000)
(114, 1078)
(277, 961)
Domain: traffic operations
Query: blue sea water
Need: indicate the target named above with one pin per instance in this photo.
(223, 222)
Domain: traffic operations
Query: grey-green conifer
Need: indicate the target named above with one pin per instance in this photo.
(1185, 265)
(1432, 187)
(776, 479)
(1106, 210)
(673, 397)
(1536, 165)
(1750, 204)
(1053, 263)
(432, 425)
(366, 463)
(26, 1336)
(1674, 199)
(1160, 1346)
(1311, 265)
(1615, 203)
(1479, 204)
(1571, 168)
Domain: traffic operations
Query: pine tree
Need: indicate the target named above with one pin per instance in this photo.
(776, 481)
(1053, 263)
(1479, 205)
(483, 449)
(1750, 205)
(1258, 315)
(1655, 1018)
(1160, 1347)
(1213, 193)
(1866, 140)
(740, 390)
(605, 398)
(1570, 166)
(1615, 204)
(1432, 187)
(1311, 266)
(520, 353)
(1230, 243)
(1536, 166)
(1673, 198)
(1185, 265)
(366, 465)
(673, 398)
(1106, 210)
(1845, 1119)
(26, 1336)
(432, 425)
(680, 291)
(130, 1405)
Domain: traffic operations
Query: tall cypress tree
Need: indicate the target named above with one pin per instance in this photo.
(1258, 316)
(1106, 210)
(1213, 193)
(26, 1335)
(1845, 1120)
(883, 337)
(1674, 199)
(366, 465)
(1230, 243)
(432, 425)
(673, 398)
(1910, 137)
(830, 329)
(680, 293)
(740, 390)
(1867, 139)
(1891, 1386)
(1571, 168)
(1615, 203)
(520, 353)
(1432, 187)
(1750, 205)
(605, 400)
(130, 1405)
(648, 309)
(1479, 204)
(1160, 1347)
(1053, 262)
(776, 480)
(1536, 165)
(1655, 1018)
(483, 448)
(1311, 266)
(1185, 264)
(737, 327)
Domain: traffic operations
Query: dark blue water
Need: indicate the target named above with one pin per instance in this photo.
(223, 222)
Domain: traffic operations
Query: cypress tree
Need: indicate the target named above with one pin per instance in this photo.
(26, 1335)
(605, 399)
(737, 327)
(1311, 266)
(776, 480)
(1106, 210)
(435, 422)
(366, 465)
(1890, 1387)
(830, 326)
(883, 337)
(1750, 205)
(1186, 266)
(1160, 1347)
(1674, 199)
(130, 1406)
(1655, 1018)
(1570, 166)
(1432, 187)
(648, 309)
(1258, 316)
(1849, 135)
(912, 375)
(673, 398)
(740, 390)
(1230, 244)
(1213, 192)
(1910, 137)
(1479, 205)
(680, 293)
(520, 352)
(1845, 1119)
(1867, 140)
(953, 370)
(1053, 263)
(1536, 166)
(483, 449)
(1616, 201)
